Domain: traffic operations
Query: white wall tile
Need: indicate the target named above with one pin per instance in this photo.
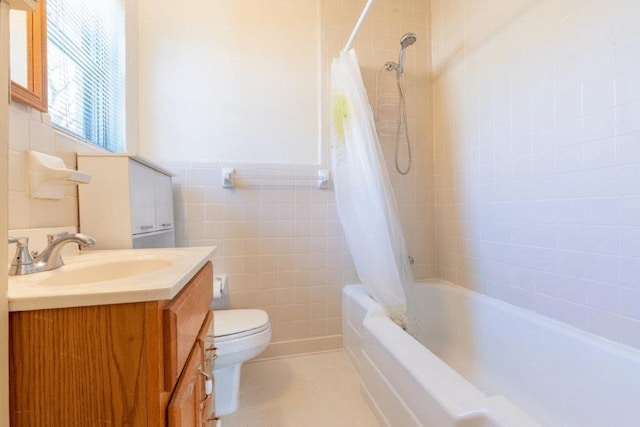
(574, 314)
(630, 241)
(584, 164)
(629, 210)
(604, 323)
(572, 263)
(630, 272)
(630, 303)
(598, 94)
(41, 137)
(628, 148)
(18, 171)
(627, 118)
(627, 64)
(19, 129)
(630, 332)
(573, 290)
(629, 180)
(599, 154)
(603, 268)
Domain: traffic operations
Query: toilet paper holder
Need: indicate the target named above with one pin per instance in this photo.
(220, 286)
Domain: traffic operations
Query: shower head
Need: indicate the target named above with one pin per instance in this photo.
(407, 40)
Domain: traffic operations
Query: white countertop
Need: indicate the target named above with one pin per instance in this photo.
(31, 292)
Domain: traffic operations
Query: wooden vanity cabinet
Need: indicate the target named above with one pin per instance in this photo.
(135, 364)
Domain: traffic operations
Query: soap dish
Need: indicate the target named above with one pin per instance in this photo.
(49, 177)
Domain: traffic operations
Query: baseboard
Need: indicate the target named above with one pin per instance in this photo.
(279, 349)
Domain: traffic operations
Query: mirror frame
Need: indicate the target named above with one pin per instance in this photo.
(35, 95)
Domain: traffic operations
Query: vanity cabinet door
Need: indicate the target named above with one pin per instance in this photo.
(185, 407)
(185, 319)
(142, 198)
(164, 201)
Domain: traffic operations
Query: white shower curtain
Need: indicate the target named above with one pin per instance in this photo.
(365, 201)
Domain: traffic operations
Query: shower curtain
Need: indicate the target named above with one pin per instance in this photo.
(364, 198)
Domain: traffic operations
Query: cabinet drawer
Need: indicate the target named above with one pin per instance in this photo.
(182, 320)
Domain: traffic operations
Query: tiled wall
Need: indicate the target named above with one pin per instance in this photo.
(279, 242)
(537, 154)
(31, 130)
(377, 43)
(282, 246)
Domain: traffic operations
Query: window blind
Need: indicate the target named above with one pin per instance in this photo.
(86, 69)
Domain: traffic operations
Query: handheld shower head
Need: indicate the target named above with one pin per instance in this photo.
(407, 40)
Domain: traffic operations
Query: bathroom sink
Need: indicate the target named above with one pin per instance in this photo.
(108, 271)
(109, 277)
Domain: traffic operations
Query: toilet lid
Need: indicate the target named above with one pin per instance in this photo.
(231, 322)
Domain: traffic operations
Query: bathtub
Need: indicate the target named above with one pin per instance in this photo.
(485, 363)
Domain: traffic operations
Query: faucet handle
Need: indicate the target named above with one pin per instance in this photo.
(22, 261)
(21, 241)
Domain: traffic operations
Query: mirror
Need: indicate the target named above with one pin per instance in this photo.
(29, 56)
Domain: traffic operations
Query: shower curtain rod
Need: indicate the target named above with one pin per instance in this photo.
(358, 25)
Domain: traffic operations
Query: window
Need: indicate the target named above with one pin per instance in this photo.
(86, 66)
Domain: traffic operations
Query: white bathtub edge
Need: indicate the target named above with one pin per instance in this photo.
(501, 412)
(461, 403)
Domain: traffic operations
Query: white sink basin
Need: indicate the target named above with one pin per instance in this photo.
(109, 277)
(105, 272)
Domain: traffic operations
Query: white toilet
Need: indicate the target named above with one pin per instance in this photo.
(240, 335)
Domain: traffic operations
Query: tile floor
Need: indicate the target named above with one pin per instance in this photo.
(320, 390)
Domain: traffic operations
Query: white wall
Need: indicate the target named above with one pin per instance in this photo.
(229, 80)
(537, 150)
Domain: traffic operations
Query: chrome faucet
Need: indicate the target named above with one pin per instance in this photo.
(50, 258)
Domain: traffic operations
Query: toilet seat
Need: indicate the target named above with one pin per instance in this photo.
(238, 323)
